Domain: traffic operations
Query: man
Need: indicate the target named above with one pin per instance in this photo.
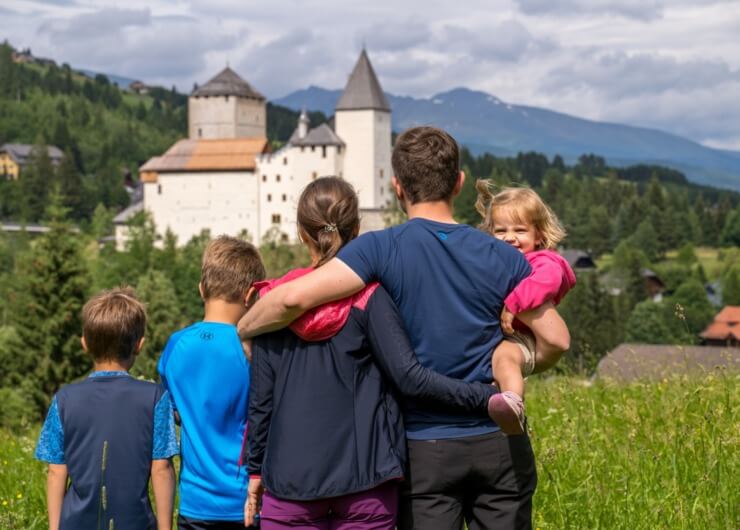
(449, 282)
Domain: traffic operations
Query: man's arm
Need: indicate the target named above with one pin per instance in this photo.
(56, 486)
(550, 332)
(163, 485)
(286, 302)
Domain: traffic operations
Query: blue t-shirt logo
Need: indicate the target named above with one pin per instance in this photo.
(442, 236)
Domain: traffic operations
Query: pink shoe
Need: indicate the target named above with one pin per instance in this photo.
(507, 410)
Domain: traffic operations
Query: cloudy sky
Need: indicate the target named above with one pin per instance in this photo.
(668, 64)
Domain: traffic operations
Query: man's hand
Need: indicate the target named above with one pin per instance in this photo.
(507, 321)
(247, 347)
(254, 500)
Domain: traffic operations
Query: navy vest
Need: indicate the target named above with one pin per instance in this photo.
(108, 424)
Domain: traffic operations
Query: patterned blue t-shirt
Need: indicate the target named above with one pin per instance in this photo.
(50, 447)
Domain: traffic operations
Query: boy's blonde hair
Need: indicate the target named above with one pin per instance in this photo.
(113, 323)
(524, 206)
(230, 267)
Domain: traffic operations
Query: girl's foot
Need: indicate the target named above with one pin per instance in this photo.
(507, 410)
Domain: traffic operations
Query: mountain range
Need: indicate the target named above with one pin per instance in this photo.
(484, 123)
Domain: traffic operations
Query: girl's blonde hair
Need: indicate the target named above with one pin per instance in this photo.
(525, 206)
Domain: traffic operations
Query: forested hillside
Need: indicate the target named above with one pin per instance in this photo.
(105, 132)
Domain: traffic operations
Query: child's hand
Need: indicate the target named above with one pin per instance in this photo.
(507, 321)
(254, 500)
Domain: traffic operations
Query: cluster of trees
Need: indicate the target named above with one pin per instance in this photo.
(45, 281)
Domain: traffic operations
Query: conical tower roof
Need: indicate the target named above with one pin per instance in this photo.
(363, 90)
(228, 83)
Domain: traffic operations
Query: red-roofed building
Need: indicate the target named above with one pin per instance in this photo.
(724, 330)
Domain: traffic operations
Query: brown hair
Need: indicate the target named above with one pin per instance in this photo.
(525, 206)
(230, 267)
(426, 162)
(113, 323)
(328, 216)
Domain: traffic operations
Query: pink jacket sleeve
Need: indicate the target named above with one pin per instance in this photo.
(550, 280)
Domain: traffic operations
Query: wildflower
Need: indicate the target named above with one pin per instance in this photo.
(19, 495)
(5, 503)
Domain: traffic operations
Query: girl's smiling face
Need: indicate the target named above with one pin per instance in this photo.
(520, 235)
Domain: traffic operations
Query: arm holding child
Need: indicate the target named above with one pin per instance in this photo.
(56, 487)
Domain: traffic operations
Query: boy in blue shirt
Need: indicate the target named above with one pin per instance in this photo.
(205, 369)
(449, 282)
(108, 433)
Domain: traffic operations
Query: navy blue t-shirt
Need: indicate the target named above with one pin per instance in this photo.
(449, 281)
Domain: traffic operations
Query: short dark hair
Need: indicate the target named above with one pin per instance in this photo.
(426, 162)
(230, 267)
(113, 323)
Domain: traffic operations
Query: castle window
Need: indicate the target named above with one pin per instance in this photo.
(339, 149)
(227, 98)
(284, 238)
(382, 190)
(276, 218)
(159, 189)
(285, 197)
(264, 178)
(313, 148)
(302, 148)
(285, 161)
(381, 173)
(323, 151)
(314, 175)
(269, 197)
(200, 132)
(277, 178)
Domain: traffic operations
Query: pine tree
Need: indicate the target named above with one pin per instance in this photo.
(598, 230)
(70, 185)
(731, 286)
(731, 230)
(590, 314)
(51, 290)
(645, 238)
(163, 318)
(36, 179)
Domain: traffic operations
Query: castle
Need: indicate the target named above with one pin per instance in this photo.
(225, 178)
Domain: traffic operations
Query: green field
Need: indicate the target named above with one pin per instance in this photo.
(643, 456)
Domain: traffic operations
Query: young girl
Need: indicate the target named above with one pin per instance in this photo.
(326, 435)
(520, 217)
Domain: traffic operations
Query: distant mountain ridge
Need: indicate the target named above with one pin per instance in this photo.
(484, 123)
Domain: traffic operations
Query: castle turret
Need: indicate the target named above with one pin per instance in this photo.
(303, 125)
(363, 121)
(226, 107)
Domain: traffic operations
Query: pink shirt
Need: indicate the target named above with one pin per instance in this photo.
(550, 280)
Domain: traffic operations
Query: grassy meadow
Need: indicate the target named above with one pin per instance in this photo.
(640, 456)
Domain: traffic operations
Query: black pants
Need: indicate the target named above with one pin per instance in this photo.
(185, 523)
(488, 481)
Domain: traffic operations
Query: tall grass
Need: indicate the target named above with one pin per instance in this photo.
(640, 456)
(647, 455)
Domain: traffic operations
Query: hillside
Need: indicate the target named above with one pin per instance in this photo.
(484, 123)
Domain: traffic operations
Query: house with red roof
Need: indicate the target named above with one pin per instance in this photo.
(724, 330)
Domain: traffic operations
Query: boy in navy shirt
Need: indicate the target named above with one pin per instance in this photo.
(109, 433)
(205, 369)
(449, 282)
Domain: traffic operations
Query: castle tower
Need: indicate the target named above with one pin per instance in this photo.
(363, 121)
(226, 107)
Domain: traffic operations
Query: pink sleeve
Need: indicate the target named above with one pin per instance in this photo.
(550, 280)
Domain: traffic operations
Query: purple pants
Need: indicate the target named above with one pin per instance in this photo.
(373, 509)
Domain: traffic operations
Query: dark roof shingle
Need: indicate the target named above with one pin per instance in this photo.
(363, 90)
(228, 83)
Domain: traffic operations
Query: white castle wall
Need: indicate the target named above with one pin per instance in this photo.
(367, 161)
(226, 117)
(283, 175)
(187, 203)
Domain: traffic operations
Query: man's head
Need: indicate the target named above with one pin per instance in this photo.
(230, 267)
(113, 325)
(426, 165)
